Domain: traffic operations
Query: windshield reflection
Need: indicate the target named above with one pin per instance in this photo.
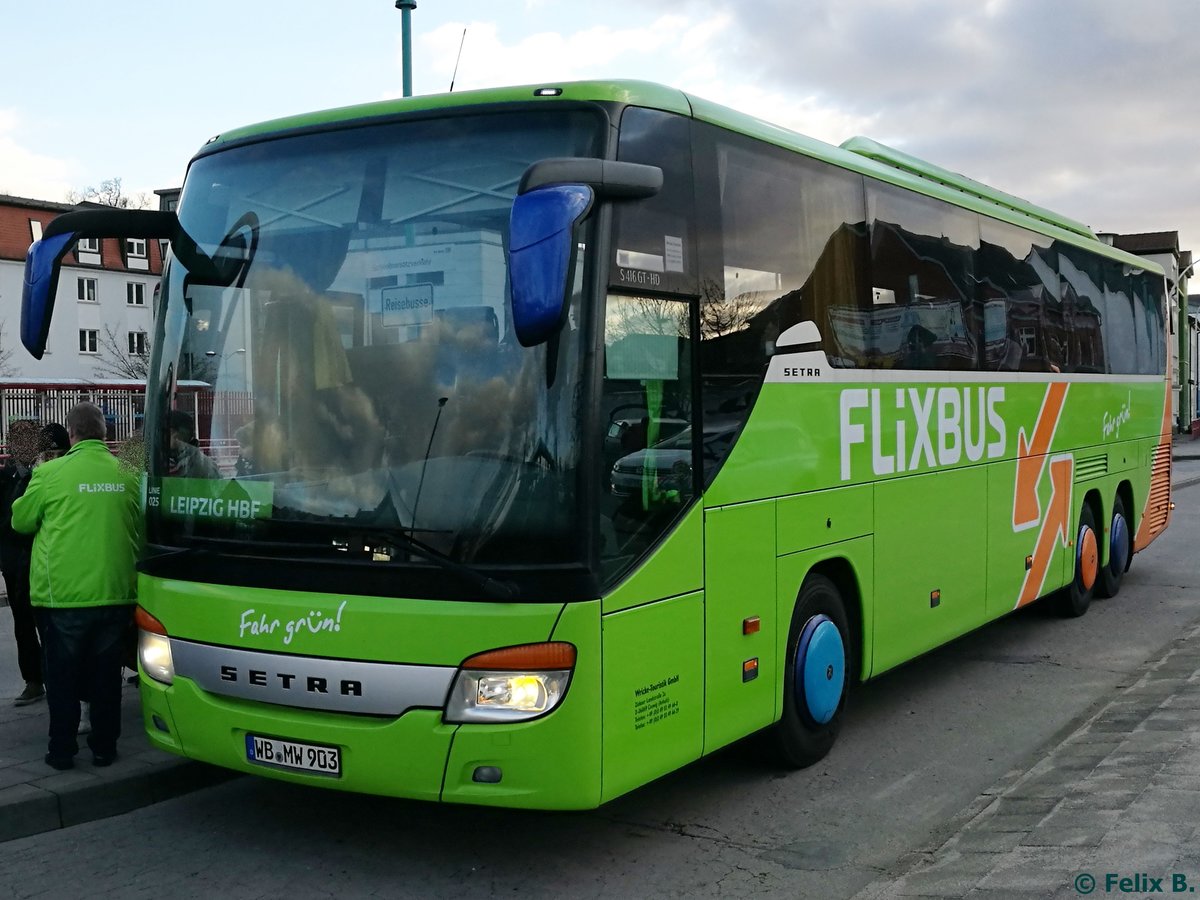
(359, 359)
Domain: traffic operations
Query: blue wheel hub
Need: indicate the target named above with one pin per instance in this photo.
(1118, 552)
(820, 669)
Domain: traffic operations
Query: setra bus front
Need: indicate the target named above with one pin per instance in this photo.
(386, 583)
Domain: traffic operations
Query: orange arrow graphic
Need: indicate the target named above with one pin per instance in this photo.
(1031, 456)
(1054, 527)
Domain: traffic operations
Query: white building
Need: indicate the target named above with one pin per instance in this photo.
(103, 308)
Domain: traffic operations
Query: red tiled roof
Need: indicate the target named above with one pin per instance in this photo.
(15, 235)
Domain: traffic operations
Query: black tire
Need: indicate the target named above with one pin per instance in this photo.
(1073, 601)
(802, 737)
(1120, 552)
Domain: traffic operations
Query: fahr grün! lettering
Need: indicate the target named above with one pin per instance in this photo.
(910, 429)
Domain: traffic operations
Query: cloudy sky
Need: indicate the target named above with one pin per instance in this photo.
(1089, 107)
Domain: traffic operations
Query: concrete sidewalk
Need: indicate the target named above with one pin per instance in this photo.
(1117, 798)
(36, 798)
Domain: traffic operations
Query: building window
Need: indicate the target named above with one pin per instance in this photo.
(88, 245)
(137, 343)
(135, 248)
(135, 293)
(89, 339)
(87, 290)
(35, 229)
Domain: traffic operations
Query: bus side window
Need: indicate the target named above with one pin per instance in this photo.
(924, 312)
(646, 404)
(783, 241)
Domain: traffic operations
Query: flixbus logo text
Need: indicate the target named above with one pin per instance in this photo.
(910, 429)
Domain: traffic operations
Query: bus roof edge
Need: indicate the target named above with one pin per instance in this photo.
(897, 159)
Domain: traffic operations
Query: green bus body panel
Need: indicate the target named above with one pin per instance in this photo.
(783, 451)
(675, 567)
(653, 690)
(276, 621)
(824, 517)
(548, 763)
(947, 556)
(403, 757)
(930, 539)
(739, 584)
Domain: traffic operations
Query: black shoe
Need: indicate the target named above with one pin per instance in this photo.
(62, 763)
(32, 694)
(101, 760)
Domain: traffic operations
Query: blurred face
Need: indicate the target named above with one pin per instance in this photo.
(23, 444)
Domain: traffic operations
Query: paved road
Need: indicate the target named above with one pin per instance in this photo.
(920, 748)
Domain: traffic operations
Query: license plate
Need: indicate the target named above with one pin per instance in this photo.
(293, 755)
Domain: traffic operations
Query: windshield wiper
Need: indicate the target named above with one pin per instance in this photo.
(493, 587)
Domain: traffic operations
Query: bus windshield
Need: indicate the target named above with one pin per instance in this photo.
(365, 395)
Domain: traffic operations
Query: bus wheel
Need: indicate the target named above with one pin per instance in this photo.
(1120, 547)
(1075, 599)
(815, 675)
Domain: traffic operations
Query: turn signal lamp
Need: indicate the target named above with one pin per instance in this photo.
(513, 684)
(154, 648)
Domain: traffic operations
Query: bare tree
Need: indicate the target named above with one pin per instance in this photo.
(721, 314)
(110, 193)
(7, 369)
(643, 315)
(116, 360)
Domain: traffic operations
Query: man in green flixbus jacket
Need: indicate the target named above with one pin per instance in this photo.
(83, 511)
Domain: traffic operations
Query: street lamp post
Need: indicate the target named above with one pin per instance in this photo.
(221, 357)
(406, 7)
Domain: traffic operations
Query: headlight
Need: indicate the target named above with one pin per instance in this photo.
(154, 648)
(511, 685)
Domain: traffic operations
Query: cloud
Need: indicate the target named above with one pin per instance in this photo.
(24, 173)
(487, 61)
(1083, 106)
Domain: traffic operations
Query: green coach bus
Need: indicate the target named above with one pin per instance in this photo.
(584, 429)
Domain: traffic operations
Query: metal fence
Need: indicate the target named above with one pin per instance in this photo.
(124, 406)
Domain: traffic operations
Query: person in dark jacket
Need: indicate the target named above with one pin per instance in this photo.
(15, 550)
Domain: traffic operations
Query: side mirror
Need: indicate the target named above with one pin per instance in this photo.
(541, 257)
(44, 260)
(553, 198)
(40, 287)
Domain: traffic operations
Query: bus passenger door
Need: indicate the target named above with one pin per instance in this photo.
(651, 544)
(739, 621)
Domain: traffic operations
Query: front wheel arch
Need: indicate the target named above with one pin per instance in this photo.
(817, 673)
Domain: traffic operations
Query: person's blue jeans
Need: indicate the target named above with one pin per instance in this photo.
(82, 654)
